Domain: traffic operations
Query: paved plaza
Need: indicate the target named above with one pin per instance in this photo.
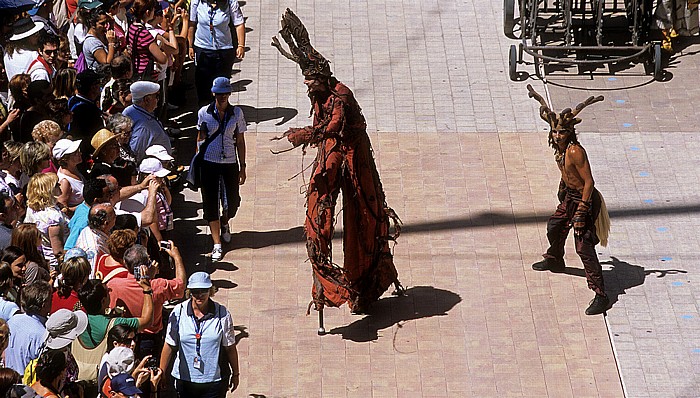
(464, 161)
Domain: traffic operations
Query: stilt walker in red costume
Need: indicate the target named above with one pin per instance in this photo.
(344, 163)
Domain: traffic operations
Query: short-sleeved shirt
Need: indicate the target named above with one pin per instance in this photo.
(97, 328)
(216, 330)
(223, 148)
(7, 308)
(44, 219)
(146, 131)
(127, 292)
(90, 45)
(5, 236)
(76, 224)
(71, 303)
(94, 243)
(218, 37)
(139, 39)
(26, 345)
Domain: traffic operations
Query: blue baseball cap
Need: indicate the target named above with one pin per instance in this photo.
(222, 85)
(124, 384)
(199, 280)
(75, 252)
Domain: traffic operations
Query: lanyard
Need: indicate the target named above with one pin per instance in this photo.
(198, 333)
(212, 33)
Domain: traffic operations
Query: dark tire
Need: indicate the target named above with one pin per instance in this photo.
(509, 18)
(513, 62)
(658, 72)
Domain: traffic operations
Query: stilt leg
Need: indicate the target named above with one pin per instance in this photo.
(398, 289)
(321, 329)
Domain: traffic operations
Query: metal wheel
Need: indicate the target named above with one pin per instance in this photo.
(658, 72)
(512, 62)
(509, 18)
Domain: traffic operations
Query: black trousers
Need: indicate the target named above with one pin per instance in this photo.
(212, 175)
(208, 65)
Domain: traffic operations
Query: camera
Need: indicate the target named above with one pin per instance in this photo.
(152, 363)
(140, 272)
(164, 244)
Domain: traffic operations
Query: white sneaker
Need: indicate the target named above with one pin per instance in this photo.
(225, 234)
(216, 254)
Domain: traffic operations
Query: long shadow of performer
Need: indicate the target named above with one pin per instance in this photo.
(417, 302)
(623, 276)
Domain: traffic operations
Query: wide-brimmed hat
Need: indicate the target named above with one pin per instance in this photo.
(153, 166)
(159, 152)
(24, 28)
(65, 147)
(102, 138)
(221, 85)
(199, 280)
(63, 326)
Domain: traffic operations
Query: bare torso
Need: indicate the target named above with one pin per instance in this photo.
(576, 170)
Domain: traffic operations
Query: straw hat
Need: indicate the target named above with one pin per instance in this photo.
(102, 138)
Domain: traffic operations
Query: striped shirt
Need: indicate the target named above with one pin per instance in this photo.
(223, 148)
(139, 39)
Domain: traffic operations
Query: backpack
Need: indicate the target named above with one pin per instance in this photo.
(80, 63)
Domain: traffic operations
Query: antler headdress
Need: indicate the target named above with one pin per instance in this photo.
(567, 119)
(294, 33)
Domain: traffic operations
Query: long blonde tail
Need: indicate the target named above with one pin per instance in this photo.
(602, 223)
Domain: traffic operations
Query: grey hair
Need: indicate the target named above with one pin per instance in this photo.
(117, 123)
(134, 256)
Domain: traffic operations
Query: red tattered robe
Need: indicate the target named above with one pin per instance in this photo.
(344, 162)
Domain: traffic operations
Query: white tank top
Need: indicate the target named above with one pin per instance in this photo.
(76, 186)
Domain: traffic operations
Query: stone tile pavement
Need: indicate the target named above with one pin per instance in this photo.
(464, 161)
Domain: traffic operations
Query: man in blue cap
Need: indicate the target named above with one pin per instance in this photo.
(124, 386)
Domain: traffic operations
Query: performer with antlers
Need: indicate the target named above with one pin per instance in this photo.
(343, 162)
(581, 205)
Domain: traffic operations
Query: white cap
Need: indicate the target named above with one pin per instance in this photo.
(141, 89)
(65, 147)
(153, 166)
(159, 152)
(120, 360)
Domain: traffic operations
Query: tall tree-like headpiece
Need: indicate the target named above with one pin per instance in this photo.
(294, 33)
(566, 120)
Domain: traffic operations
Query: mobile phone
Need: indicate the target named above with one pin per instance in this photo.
(164, 244)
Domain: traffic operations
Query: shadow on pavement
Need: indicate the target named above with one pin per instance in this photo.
(260, 239)
(257, 115)
(418, 302)
(623, 276)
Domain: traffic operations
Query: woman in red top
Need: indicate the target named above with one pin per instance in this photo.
(144, 49)
(75, 272)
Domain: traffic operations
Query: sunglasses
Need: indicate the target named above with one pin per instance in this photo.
(199, 292)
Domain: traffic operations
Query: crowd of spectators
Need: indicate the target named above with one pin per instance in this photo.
(88, 267)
